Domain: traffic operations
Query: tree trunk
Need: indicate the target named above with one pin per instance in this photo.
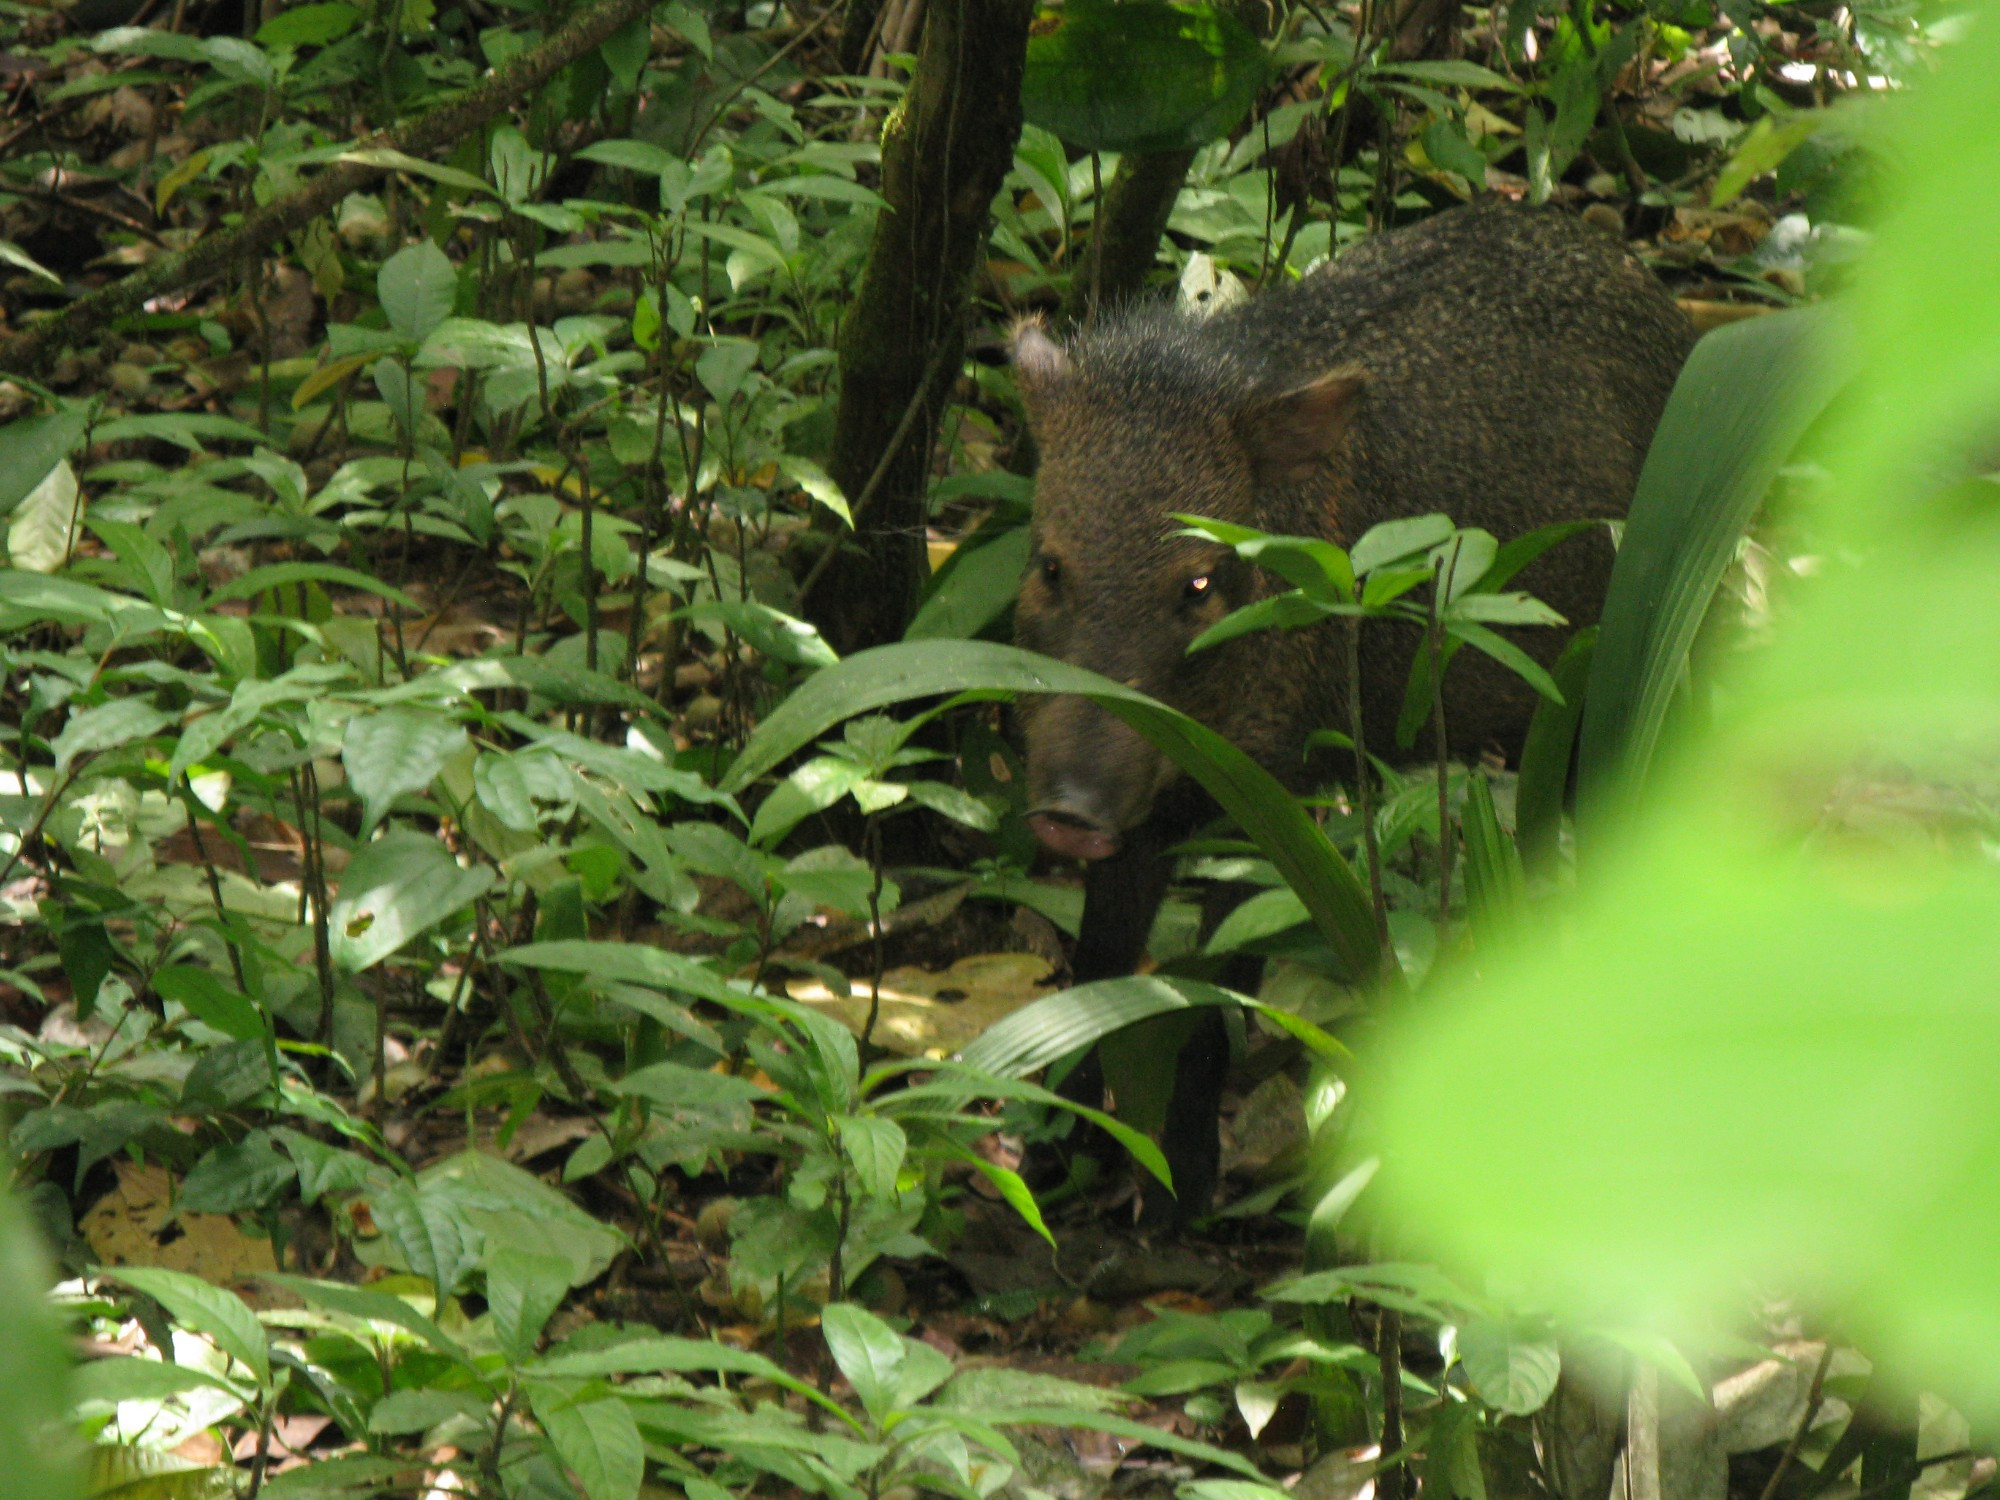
(945, 153)
(1125, 235)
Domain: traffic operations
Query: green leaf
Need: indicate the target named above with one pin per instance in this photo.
(1506, 653)
(1263, 915)
(395, 751)
(31, 450)
(632, 963)
(1495, 888)
(238, 1177)
(1070, 1020)
(954, 803)
(876, 1147)
(598, 1440)
(975, 587)
(201, 1307)
(1546, 755)
(106, 727)
(1392, 541)
(43, 529)
(367, 1305)
(1512, 1373)
(35, 1372)
(285, 575)
(131, 1378)
(778, 635)
(889, 1373)
(418, 286)
(428, 1235)
(309, 25)
(1339, 905)
(210, 1001)
(400, 885)
(1140, 76)
(1745, 398)
(1287, 611)
(522, 1290)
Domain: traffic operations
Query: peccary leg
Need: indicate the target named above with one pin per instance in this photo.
(1190, 1141)
(1121, 896)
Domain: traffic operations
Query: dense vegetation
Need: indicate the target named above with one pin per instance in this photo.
(517, 931)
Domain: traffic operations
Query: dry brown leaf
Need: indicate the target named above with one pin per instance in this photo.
(934, 1014)
(129, 1226)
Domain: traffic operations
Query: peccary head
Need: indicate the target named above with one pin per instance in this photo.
(1135, 422)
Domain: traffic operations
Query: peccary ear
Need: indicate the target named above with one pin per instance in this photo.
(1290, 435)
(1039, 362)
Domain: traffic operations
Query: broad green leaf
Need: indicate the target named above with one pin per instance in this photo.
(43, 529)
(35, 1371)
(876, 1146)
(237, 1177)
(1746, 396)
(1287, 611)
(209, 1000)
(889, 1372)
(309, 25)
(395, 888)
(1263, 915)
(975, 587)
(523, 788)
(1506, 653)
(1069, 1020)
(597, 1440)
(1140, 76)
(428, 1235)
(417, 286)
(31, 448)
(632, 963)
(1392, 541)
(204, 1308)
(416, 166)
(817, 483)
(106, 727)
(1547, 753)
(953, 802)
(778, 635)
(1334, 896)
(131, 1378)
(368, 1305)
(1513, 1372)
(395, 751)
(522, 1290)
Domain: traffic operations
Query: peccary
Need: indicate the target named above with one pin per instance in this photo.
(1503, 365)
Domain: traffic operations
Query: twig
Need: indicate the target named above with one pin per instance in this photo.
(1813, 1396)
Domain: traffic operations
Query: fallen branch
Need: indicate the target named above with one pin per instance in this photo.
(32, 350)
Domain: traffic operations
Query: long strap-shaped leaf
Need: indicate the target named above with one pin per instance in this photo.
(1749, 392)
(1333, 895)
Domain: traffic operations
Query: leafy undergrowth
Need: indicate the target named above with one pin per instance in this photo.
(447, 1048)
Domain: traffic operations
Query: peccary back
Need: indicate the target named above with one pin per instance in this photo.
(1503, 365)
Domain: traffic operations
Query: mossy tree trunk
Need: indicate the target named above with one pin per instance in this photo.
(945, 153)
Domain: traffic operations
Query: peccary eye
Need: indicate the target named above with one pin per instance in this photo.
(1198, 588)
(1051, 571)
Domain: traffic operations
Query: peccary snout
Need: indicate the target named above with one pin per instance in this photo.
(1090, 779)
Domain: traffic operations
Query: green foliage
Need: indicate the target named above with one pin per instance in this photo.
(1757, 1054)
(412, 736)
(1148, 76)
